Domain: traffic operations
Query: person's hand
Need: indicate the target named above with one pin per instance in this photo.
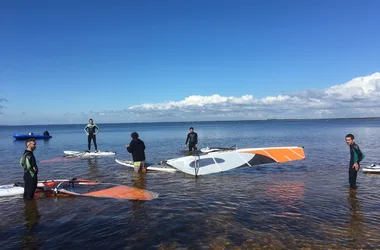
(196, 145)
(185, 146)
(356, 166)
(87, 133)
(127, 145)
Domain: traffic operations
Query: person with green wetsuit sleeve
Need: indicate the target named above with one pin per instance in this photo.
(356, 156)
(91, 130)
(29, 163)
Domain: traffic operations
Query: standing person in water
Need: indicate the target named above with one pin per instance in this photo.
(192, 138)
(356, 156)
(91, 130)
(29, 163)
(137, 148)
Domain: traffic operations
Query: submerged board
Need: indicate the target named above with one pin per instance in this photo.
(161, 168)
(18, 188)
(74, 187)
(373, 168)
(105, 190)
(27, 136)
(85, 153)
(224, 159)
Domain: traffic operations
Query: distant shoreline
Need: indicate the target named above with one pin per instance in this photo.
(222, 121)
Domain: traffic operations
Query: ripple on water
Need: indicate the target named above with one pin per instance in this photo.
(305, 204)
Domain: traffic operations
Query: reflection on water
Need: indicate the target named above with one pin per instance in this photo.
(32, 217)
(288, 196)
(60, 159)
(93, 170)
(355, 226)
(138, 181)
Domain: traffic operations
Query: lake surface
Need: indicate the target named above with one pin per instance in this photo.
(303, 204)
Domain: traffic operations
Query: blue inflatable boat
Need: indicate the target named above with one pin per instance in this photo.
(44, 136)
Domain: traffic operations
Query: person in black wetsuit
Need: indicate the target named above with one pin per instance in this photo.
(192, 138)
(356, 156)
(29, 163)
(91, 130)
(137, 148)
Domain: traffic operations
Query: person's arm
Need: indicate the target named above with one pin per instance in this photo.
(85, 129)
(187, 138)
(31, 164)
(130, 147)
(97, 129)
(358, 156)
(196, 138)
(143, 145)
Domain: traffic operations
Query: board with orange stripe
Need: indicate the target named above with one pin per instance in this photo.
(80, 187)
(223, 159)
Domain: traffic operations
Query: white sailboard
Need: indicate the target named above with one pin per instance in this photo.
(162, 168)
(224, 159)
(85, 153)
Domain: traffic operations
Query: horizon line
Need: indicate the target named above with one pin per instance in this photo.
(253, 120)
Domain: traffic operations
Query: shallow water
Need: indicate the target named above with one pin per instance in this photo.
(303, 204)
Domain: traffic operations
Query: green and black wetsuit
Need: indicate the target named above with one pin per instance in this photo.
(91, 129)
(356, 157)
(28, 162)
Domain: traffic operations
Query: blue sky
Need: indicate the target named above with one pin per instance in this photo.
(123, 61)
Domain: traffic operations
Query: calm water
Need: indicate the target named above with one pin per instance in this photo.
(300, 204)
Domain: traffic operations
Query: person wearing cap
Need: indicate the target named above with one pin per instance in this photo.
(137, 148)
(192, 138)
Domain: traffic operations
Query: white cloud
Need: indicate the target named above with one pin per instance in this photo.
(358, 97)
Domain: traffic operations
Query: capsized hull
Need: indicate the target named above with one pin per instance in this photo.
(215, 161)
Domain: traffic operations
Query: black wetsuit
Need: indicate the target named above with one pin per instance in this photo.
(28, 162)
(91, 129)
(192, 138)
(356, 157)
(137, 148)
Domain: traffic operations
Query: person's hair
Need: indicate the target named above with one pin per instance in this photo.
(90, 119)
(191, 128)
(29, 140)
(134, 135)
(350, 136)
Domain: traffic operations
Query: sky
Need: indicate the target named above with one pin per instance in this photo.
(147, 61)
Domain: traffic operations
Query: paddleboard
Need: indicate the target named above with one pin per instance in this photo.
(85, 153)
(150, 166)
(373, 168)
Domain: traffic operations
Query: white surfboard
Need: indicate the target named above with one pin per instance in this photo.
(84, 153)
(161, 168)
(373, 168)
